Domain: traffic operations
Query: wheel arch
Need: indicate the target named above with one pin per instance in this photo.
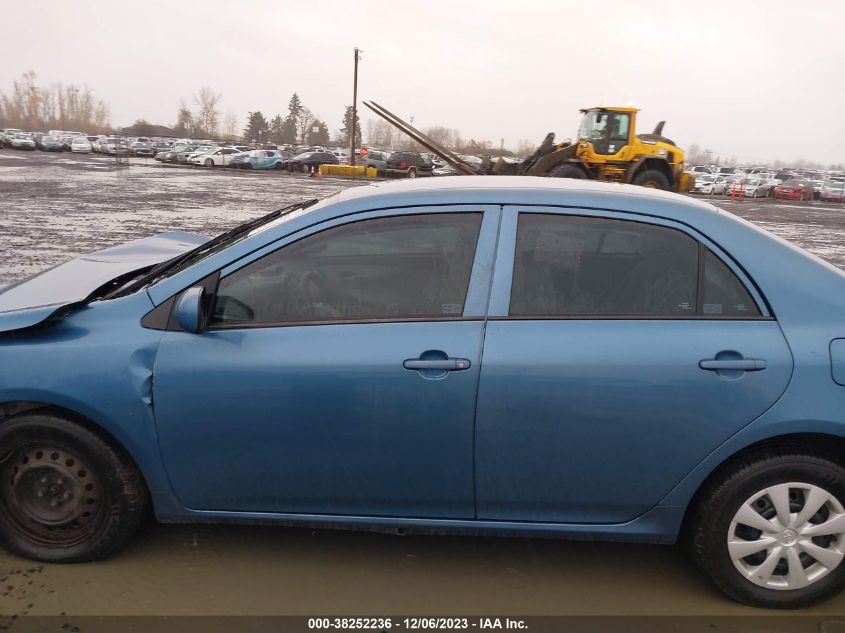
(650, 162)
(9, 410)
(815, 443)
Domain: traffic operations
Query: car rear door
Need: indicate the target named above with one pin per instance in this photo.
(619, 352)
(339, 374)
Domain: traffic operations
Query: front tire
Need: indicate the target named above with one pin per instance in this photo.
(66, 494)
(568, 171)
(652, 179)
(771, 532)
(209, 162)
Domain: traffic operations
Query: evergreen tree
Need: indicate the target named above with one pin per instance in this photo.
(346, 130)
(256, 127)
(318, 134)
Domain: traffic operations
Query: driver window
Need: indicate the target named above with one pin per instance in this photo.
(411, 266)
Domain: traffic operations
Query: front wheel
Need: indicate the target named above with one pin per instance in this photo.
(209, 162)
(568, 171)
(652, 179)
(771, 532)
(66, 495)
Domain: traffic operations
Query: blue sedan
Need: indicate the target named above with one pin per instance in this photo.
(511, 356)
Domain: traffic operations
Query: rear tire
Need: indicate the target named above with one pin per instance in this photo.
(772, 566)
(652, 179)
(568, 171)
(66, 494)
(412, 172)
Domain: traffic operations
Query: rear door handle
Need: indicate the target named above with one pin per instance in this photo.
(447, 364)
(745, 364)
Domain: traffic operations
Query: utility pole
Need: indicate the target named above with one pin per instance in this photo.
(354, 112)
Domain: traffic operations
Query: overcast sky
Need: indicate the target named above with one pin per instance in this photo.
(752, 79)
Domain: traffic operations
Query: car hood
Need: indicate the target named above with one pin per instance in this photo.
(51, 294)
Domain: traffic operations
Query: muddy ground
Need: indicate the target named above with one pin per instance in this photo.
(56, 206)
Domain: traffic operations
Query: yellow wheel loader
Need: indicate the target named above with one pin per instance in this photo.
(607, 148)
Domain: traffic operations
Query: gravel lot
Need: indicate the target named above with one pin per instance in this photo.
(56, 206)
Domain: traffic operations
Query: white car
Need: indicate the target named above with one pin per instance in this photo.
(749, 188)
(214, 157)
(80, 145)
(710, 184)
(21, 140)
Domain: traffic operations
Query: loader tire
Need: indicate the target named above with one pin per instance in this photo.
(567, 171)
(652, 179)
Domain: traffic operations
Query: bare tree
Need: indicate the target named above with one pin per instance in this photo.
(230, 126)
(303, 124)
(36, 107)
(207, 117)
(525, 148)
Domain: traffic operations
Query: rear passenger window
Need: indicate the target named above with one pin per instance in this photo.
(724, 294)
(585, 266)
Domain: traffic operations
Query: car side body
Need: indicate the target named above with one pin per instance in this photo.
(517, 403)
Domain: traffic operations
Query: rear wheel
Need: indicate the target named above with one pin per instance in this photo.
(66, 495)
(412, 172)
(771, 533)
(567, 171)
(652, 179)
(305, 168)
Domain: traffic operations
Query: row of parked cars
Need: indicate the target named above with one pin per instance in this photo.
(296, 159)
(765, 185)
(208, 153)
(760, 182)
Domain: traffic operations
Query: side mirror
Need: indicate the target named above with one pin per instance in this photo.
(189, 311)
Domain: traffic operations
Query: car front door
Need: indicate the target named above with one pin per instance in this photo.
(618, 354)
(338, 374)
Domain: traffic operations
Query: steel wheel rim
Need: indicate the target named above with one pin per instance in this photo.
(50, 495)
(787, 536)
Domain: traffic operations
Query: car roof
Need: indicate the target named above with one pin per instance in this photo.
(519, 190)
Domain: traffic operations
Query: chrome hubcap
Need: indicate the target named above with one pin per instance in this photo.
(788, 536)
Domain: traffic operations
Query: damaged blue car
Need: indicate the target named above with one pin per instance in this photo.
(479, 355)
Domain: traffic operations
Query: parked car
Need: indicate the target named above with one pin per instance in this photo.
(516, 356)
(169, 156)
(217, 156)
(377, 159)
(748, 188)
(793, 189)
(113, 145)
(22, 140)
(409, 164)
(310, 161)
(259, 159)
(710, 184)
(80, 145)
(183, 157)
(6, 136)
(142, 146)
(49, 143)
(833, 192)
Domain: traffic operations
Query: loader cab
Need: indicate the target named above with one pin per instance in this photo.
(608, 129)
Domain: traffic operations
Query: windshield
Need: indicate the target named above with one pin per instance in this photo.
(793, 183)
(706, 178)
(604, 125)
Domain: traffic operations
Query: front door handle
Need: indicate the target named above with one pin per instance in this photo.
(446, 364)
(745, 364)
